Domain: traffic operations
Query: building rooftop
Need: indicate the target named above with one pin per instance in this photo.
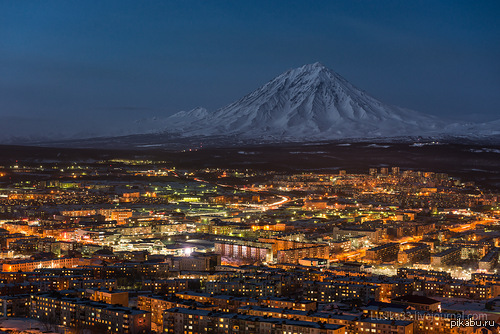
(416, 299)
(247, 317)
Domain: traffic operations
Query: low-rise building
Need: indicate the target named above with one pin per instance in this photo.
(414, 253)
(108, 296)
(383, 253)
(15, 306)
(446, 257)
(29, 265)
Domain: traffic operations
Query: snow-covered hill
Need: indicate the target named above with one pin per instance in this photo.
(487, 131)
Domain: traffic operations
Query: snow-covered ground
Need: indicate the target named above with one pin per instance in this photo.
(24, 325)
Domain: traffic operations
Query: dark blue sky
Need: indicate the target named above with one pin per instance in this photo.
(85, 61)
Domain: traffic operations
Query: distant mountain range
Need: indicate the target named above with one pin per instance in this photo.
(309, 103)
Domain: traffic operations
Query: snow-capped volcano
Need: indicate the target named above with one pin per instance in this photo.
(309, 102)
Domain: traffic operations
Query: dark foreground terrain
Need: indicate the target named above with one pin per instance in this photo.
(469, 161)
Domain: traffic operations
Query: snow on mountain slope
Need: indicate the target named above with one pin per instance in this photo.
(488, 129)
(473, 130)
(158, 124)
(194, 114)
(310, 102)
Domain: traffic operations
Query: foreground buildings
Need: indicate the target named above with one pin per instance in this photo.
(150, 249)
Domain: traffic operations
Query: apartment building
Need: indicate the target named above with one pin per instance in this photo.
(75, 312)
